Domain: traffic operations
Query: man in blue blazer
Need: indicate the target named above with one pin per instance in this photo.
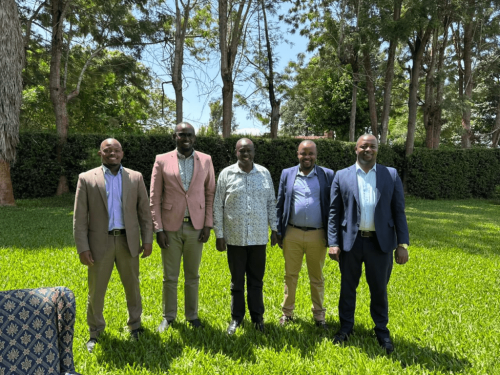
(367, 222)
(302, 210)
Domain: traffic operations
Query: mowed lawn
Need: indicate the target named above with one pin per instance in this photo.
(444, 303)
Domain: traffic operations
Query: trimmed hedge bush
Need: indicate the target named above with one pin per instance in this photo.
(430, 173)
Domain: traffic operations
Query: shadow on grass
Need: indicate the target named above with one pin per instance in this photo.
(407, 353)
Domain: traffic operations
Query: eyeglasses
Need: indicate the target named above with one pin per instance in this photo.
(185, 135)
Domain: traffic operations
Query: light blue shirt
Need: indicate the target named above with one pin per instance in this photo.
(306, 202)
(367, 187)
(114, 195)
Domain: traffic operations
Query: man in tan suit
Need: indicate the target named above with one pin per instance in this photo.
(182, 196)
(111, 204)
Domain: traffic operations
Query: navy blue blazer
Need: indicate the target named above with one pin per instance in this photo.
(345, 213)
(285, 191)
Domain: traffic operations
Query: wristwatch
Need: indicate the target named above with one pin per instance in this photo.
(403, 245)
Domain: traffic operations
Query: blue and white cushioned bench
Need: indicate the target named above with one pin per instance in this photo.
(36, 331)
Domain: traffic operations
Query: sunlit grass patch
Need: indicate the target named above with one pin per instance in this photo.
(444, 303)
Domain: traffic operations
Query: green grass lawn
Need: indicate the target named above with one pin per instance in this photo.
(444, 303)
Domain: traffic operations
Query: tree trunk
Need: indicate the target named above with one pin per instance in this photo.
(6, 190)
(57, 91)
(496, 128)
(370, 88)
(275, 118)
(352, 119)
(468, 84)
(428, 107)
(389, 76)
(417, 50)
(227, 106)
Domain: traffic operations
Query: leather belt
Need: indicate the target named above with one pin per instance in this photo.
(187, 219)
(305, 229)
(117, 232)
(367, 233)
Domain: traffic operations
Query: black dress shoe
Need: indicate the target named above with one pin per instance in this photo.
(232, 326)
(259, 326)
(386, 343)
(341, 336)
(91, 345)
(285, 319)
(322, 324)
(135, 333)
(195, 323)
(164, 325)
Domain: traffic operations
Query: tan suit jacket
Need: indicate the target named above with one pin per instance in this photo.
(169, 199)
(90, 219)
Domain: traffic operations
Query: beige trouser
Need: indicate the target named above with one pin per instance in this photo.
(313, 244)
(98, 278)
(182, 244)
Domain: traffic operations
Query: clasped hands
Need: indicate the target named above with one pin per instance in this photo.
(220, 243)
(162, 237)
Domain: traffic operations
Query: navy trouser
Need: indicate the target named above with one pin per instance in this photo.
(378, 267)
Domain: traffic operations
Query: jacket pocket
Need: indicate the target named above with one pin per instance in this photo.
(391, 223)
(166, 206)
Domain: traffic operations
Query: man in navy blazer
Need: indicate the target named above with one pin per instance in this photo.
(302, 210)
(367, 222)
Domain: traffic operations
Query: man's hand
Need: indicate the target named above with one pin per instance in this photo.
(220, 244)
(86, 258)
(334, 253)
(162, 239)
(204, 235)
(280, 241)
(274, 238)
(146, 250)
(401, 255)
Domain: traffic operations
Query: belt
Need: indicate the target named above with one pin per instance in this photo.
(367, 233)
(187, 219)
(305, 229)
(116, 232)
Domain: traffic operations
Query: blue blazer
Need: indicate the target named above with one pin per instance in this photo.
(285, 191)
(345, 213)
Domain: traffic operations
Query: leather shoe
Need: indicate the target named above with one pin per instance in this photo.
(341, 337)
(135, 333)
(259, 326)
(195, 323)
(322, 324)
(386, 343)
(91, 345)
(285, 319)
(164, 325)
(232, 326)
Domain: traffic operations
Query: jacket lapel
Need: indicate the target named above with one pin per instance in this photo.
(380, 183)
(101, 185)
(322, 185)
(291, 181)
(196, 168)
(175, 166)
(354, 183)
(126, 183)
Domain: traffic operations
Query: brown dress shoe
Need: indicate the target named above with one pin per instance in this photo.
(285, 319)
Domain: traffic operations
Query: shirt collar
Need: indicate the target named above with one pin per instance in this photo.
(180, 156)
(312, 173)
(106, 169)
(358, 168)
(237, 169)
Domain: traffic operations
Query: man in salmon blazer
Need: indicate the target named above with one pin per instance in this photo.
(181, 200)
(111, 217)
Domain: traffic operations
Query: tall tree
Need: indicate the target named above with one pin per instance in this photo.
(11, 66)
(233, 17)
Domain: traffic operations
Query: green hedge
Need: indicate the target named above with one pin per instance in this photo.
(430, 174)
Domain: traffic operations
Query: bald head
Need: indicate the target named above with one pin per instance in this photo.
(307, 154)
(245, 152)
(111, 154)
(182, 126)
(366, 151)
(243, 141)
(184, 137)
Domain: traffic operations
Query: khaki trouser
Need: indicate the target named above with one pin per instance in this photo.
(313, 244)
(182, 244)
(98, 278)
